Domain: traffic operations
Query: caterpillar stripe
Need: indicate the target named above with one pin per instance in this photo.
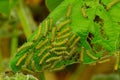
(21, 59)
(83, 12)
(28, 44)
(55, 63)
(58, 49)
(104, 61)
(90, 55)
(64, 36)
(111, 4)
(59, 43)
(75, 42)
(53, 59)
(43, 50)
(51, 21)
(71, 39)
(38, 33)
(46, 28)
(28, 59)
(64, 31)
(62, 53)
(44, 57)
(82, 55)
(117, 61)
(69, 11)
(53, 33)
(41, 44)
(62, 24)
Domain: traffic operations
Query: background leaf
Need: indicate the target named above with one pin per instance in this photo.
(51, 5)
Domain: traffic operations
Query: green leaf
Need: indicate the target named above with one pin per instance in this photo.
(96, 27)
(51, 5)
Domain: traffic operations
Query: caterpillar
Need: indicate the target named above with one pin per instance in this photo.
(72, 51)
(71, 39)
(29, 44)
(62, 53)
(43, 50)
(56, 62)
(51, 21)
(90, 55)
(82, 55)
(64, 31)
(38, 33)
(111, 4)
(25, 70)
(75, 42)
(58, 49)
(21, 59)
(53, 59)
(104, 61)
(33, 67)
(62, 24)
(41, 44)
(44, 57)
(28, 59)
(59, 43)
(69, 11)
(83, 12)
(46, 28)
(57, 69)
(64, 36)
(53, 34)
(117, 61)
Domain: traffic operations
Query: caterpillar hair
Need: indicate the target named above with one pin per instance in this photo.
(21, 59)
(44, 57)
(91, 56)
(62, 24)
(41, 44)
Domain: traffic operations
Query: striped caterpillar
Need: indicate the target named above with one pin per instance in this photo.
(112, 3)
(91, 56)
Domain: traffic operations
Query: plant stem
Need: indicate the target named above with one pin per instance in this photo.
(23, 18)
